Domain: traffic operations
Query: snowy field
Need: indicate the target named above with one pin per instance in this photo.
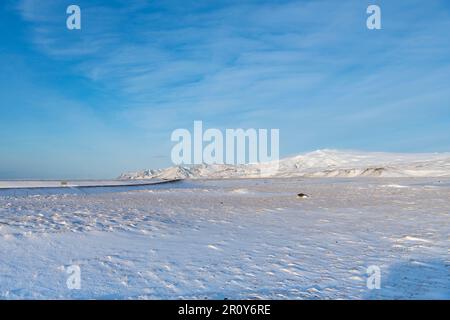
(216, 239)
(35, 184)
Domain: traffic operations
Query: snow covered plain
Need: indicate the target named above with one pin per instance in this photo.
(235, 238)
(58, 184)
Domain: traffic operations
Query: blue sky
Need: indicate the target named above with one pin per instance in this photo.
(102, 100)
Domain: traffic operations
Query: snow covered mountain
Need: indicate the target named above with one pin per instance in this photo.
(320, 163)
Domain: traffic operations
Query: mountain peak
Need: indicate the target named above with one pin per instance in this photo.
(318, 163)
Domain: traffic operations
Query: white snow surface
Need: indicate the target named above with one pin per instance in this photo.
(34, 184)
(235, 239)
(320, 163)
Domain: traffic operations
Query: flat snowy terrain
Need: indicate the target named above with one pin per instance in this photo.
(230, 239)
(34, 184)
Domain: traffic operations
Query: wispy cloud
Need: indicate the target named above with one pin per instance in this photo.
(310, 68)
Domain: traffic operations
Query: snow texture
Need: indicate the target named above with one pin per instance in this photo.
(235, 238)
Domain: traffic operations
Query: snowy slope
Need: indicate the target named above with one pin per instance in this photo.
(321, 163)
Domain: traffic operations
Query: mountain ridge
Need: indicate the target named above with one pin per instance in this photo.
(319, 163)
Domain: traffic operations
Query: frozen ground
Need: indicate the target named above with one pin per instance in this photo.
(230, 239)
(34, 184)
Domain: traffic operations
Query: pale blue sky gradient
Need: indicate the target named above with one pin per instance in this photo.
(103, 100)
